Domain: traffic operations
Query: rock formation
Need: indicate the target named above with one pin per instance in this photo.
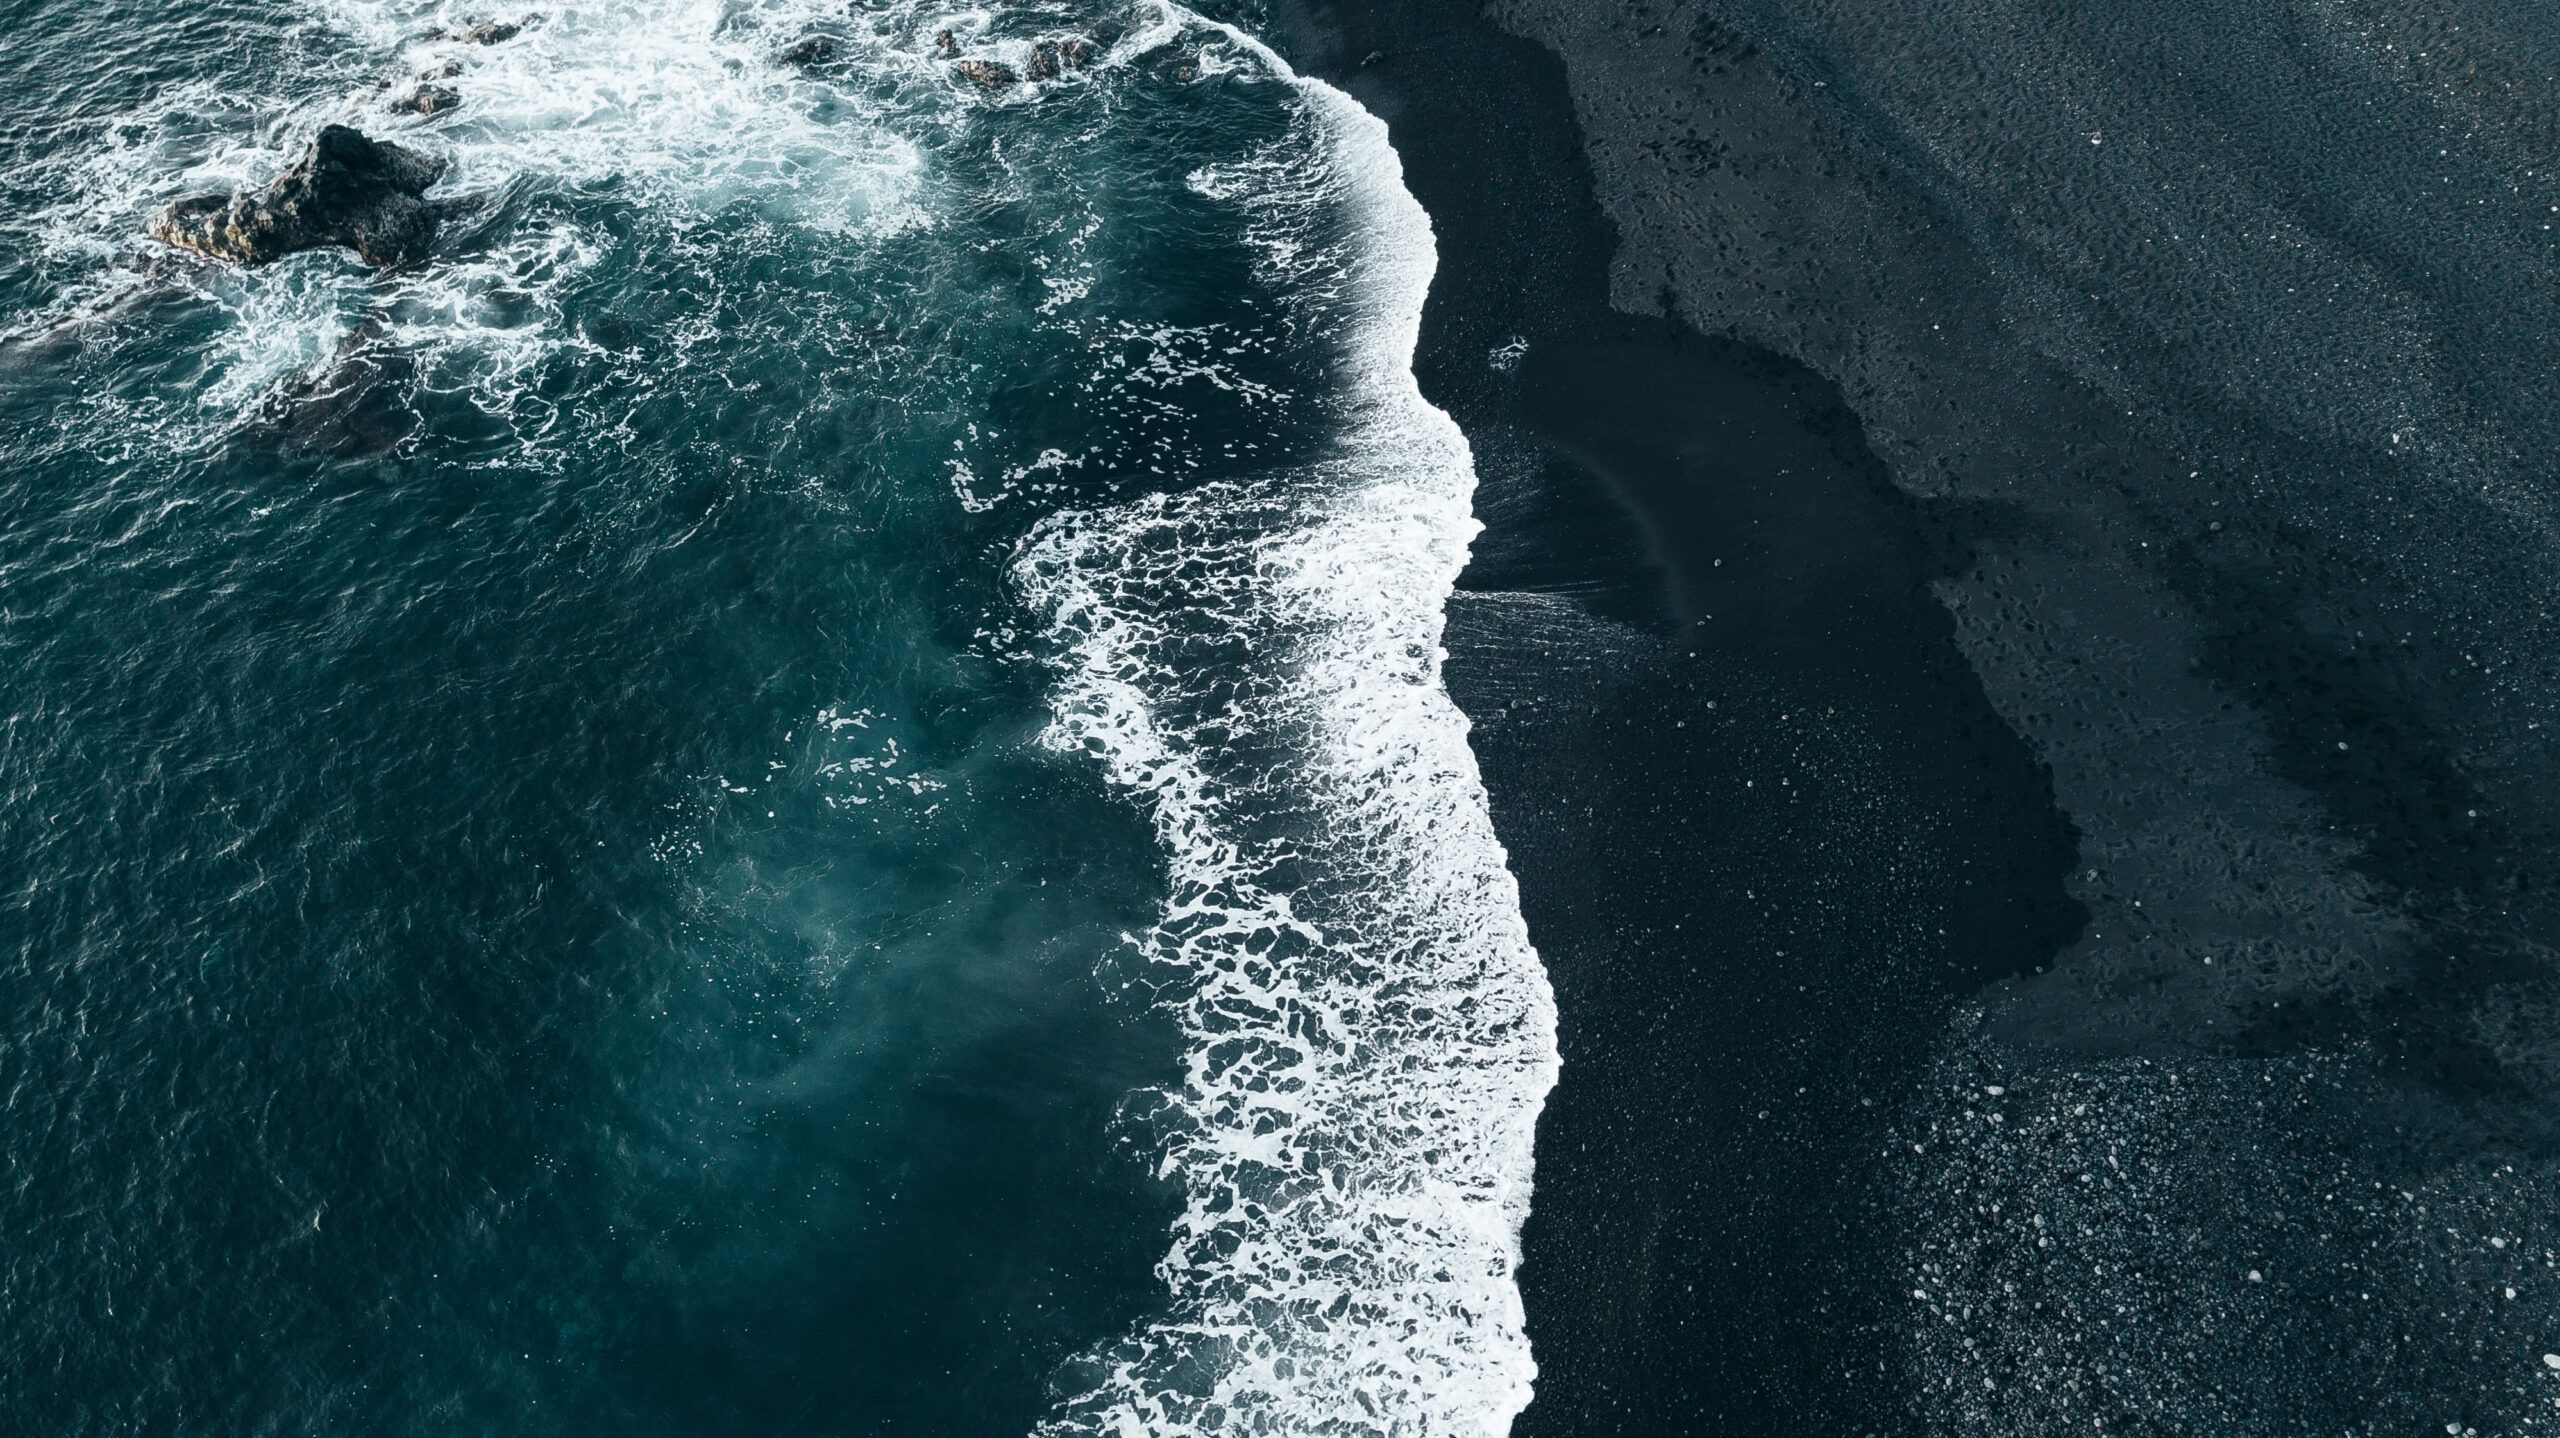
(813, 51)
(345, 190)
(487, 32)
(428, 99)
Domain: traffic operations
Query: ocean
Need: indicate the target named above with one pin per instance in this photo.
(800, 786)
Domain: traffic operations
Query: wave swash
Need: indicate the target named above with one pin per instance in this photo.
(1371, 1035)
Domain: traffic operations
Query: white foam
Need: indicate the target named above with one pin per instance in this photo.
(680, 100)
(678, 104)
(288, 327)
(1371, 1035)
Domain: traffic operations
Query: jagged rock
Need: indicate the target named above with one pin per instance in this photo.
(944, 41)
(427, 99)
(345, 190)
(816, 50)
(487, 32)
(986, 74)
(1052, 58)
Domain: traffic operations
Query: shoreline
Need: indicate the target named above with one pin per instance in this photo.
(1919, 808)
(1731, 745)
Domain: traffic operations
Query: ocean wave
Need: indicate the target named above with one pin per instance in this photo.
(675, 108)
(680, 100)
(1370, 1034)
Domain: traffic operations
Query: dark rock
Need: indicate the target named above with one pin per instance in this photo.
(345, 190)
(95, 324)
(1052, 58)
(487, 32)
(986, 74)
(943, 41)
(427, 99)
(814, 51)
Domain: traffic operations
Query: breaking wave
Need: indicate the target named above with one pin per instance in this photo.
(1370, 1034)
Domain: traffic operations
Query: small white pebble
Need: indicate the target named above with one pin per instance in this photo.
(2256, 1277)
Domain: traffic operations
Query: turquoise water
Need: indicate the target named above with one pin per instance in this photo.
(800, 788)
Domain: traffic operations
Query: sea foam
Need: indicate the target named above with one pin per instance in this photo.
(1370, 1034)
(677, 106)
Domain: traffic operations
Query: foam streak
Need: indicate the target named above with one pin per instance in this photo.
(1370, 1034)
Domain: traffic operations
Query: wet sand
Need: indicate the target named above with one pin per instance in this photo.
(2009, 657)
(1769, 832)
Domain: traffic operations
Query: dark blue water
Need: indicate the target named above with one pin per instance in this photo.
(799, 788)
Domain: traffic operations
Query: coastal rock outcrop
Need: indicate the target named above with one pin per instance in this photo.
(1052, 58)
(428, 98)
(812, 52)
(488, 32)
(985, 74)
(345, 190)
(1049, 59)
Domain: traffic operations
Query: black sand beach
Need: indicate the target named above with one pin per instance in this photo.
(1768, 829)
(1961, 772)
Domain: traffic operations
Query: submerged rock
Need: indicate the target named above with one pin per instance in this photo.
(816, 50)
(487, 32)
(944, 41)
(427, 99)
(1052, 58)
(986, 74)
(345, 190)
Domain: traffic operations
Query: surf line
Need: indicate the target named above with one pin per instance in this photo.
(1364, 1069)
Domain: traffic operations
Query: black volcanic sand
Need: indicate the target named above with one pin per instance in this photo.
(2043, 861)
(1768, 829)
